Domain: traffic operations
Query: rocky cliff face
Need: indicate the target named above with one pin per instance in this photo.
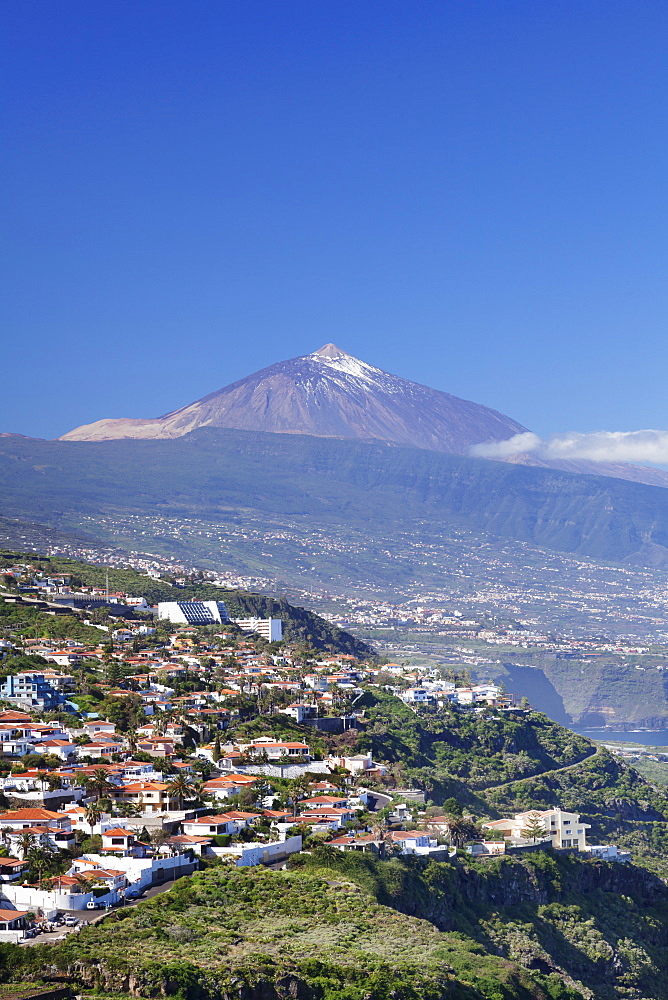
(442, 893)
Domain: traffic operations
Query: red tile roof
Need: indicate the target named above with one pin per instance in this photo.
(28, 814)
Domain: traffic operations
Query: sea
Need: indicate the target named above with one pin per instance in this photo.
(647, 737)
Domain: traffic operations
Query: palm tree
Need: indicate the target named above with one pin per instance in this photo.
(106, 804)
(86, 880)
(159, 725)
(297, 787)
(93, 814)
(183, 786)
(40, 860)
(98, 782)
(461, 829)
(26, 842)
(126, 809)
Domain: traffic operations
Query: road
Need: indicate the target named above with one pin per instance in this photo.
(94, 916)
(542, 774)
(377, 801)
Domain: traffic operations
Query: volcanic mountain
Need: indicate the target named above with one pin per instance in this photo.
(332, 394)
(327, 394)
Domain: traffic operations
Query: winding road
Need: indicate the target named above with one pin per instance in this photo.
(542, 774)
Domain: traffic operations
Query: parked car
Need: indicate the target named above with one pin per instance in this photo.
(70, 921)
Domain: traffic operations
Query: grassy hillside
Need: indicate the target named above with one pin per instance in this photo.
(472, 749)
(20, 621)
(622, 807)
(343, 927)
(600, 927)
(653, 771)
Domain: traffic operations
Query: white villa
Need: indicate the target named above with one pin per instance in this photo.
(565, 829)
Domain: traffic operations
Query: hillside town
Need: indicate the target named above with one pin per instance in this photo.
(179, 738)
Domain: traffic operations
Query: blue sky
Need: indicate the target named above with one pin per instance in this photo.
(468, 194)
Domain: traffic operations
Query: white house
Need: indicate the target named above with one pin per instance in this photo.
(301, 713)
(96, 727)
(418, 696)
(59, 748)
(249, 855)
(118, 840)
(226, 788)
(12, 920)
(565, 829)
(140, 872)
(24, 819)
(410, 841)
(608, 852)
(223, 823)
(355, 764)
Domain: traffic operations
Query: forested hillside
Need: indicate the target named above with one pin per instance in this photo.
(498, 763)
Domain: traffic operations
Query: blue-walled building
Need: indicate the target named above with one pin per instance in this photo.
(32, 691)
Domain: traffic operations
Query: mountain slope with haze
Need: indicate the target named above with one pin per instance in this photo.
(251, 478)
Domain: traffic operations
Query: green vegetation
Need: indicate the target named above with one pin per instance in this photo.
(231, 477)
(653, 771)
(226, 930)
(600, 926)
(452, 749)
(496, 764)
(22, 621)
(619, 804)
(284, 728)
(348, 927)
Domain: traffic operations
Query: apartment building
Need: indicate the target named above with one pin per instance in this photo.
(193, 612)
(32, 691)
(270, 629)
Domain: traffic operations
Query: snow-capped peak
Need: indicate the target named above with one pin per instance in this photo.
(330, 351)
(339, 360)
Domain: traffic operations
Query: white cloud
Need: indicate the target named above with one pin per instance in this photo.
(520, 443)
(598, 446)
